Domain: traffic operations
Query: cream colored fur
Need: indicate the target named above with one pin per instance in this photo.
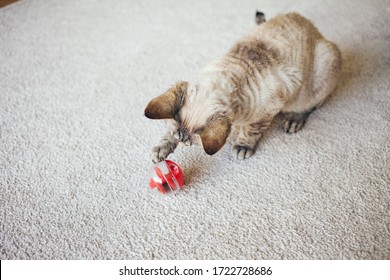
(284, 65)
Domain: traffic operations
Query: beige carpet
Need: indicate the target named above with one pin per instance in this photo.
(75, 77)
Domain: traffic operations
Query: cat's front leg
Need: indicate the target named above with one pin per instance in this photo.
(166, 146)
(248, 137)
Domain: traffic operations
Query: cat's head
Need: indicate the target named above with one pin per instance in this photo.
(194, 111)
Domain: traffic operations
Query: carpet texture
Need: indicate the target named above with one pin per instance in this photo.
(75, 77)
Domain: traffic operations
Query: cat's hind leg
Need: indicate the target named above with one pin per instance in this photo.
(324, 76)
(293, 122)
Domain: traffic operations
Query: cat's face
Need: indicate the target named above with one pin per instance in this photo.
(192, 116)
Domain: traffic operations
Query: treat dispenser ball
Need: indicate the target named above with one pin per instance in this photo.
(166, 177)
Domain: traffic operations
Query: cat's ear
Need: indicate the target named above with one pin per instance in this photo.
(214, 135)
(168, 103)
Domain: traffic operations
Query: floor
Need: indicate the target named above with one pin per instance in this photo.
(75, 145)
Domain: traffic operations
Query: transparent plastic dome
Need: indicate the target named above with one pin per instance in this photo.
(166, 177)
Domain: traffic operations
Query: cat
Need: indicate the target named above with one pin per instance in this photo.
(283, 66)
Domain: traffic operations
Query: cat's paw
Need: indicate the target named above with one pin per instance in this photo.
(293, 122)
(160, 153)
(242, 152)
(183, 137)
(293, 126)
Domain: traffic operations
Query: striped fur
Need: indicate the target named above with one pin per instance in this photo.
(283, 66)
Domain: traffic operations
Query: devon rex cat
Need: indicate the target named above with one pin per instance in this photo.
(283, 66)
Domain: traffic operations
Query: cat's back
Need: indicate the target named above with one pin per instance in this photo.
(288, 28)
(292, 37)
(284, 38)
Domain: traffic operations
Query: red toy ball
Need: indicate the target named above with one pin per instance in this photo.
(166, 177)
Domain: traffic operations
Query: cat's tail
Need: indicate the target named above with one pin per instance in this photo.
(260, 17)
